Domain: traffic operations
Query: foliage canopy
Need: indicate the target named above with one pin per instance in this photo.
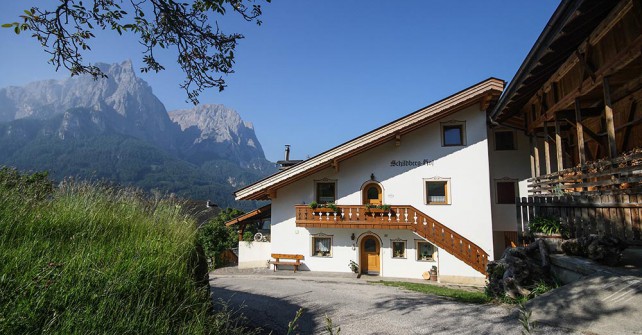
(65, 29)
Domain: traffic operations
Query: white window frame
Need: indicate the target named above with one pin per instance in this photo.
(456, 123)
(418, 255)
(447, 189)
(313, 244)
(405, 249)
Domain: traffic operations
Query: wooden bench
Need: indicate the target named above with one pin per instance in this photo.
(280, 257)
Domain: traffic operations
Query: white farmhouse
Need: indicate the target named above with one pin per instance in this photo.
(434, 188)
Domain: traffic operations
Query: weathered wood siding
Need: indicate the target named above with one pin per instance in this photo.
(612, 215)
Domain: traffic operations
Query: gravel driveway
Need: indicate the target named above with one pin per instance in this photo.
(357, 306)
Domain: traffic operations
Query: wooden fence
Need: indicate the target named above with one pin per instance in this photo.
(613, 215)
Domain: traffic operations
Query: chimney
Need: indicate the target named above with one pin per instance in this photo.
(287, 163)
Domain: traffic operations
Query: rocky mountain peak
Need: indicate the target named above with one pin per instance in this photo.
(124, 100)
(220, 131)
(215, 122)
(123, 106)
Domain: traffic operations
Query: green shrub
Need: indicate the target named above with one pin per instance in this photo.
(215, 237)
(546, 225)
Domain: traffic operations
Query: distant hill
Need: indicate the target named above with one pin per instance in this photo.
(117, 129)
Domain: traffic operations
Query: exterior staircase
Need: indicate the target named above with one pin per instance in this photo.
(398, 217)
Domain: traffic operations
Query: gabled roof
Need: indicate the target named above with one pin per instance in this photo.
(571, 23)
(257, 214)
(484, 92)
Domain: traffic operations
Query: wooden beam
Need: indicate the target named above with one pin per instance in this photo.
(556, 92)
(547, 150)
(535, 157)
(272, 193)
(579, 128)
(629, 125)
(397, 140)
(241, 231)
(558, 147)
(622, 59)
(485, 102)
(532, 145)
(586, 66)
(335, 165)
(608, 115)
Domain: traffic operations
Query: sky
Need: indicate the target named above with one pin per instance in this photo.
(318, 73)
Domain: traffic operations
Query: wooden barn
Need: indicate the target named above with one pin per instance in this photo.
(577, 96)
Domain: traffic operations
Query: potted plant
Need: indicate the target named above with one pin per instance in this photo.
(372, 208)
(369, 207)
(333, 208)
(433, 273)
(425, 256)
(322, 208)
(550, 230)
(354, 267)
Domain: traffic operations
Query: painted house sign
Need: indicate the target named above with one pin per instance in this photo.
(406, 162)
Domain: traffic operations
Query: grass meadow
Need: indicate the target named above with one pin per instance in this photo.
(88, 259)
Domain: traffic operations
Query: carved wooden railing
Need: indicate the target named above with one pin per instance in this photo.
(398, 217)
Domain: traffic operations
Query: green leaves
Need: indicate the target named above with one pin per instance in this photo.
(17, 27)
(204, 53)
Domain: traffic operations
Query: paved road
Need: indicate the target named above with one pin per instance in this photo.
(358, 307)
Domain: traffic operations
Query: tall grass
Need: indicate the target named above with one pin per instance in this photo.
(94, 260)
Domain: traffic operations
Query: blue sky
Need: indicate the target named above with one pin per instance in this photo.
(319, 73)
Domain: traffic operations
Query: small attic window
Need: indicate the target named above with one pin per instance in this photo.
(453, 134)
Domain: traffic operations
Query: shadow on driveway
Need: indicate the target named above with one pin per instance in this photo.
(270, 313)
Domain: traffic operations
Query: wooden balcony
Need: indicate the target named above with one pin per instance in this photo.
(399, 217)
(602, 197)
(622, 175)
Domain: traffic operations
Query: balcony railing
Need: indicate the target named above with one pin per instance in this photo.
(622, 175)
(398, 217)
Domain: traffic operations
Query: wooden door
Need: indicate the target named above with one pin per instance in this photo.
(370, 260)
(372, 194)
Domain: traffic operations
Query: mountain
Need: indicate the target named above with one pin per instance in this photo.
(215, 131)
(116, 129)
(122, 101)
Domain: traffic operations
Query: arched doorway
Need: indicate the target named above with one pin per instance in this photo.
(370, 259)
(372, 194)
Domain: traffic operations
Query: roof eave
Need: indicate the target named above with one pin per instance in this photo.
(557, 21)
(459, 100)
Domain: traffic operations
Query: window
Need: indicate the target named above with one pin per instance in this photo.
(453, 134)
(506, 191)
(370, 245)
(322, 246)
(437, 192)
(425, 251)
(326, 192)
(398, 249)
(372, 194)
(505, 140)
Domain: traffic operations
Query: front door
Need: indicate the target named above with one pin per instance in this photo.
(370, 255)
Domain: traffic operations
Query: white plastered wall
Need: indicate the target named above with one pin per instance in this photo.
(469, 213)
(254, 254)
(507, 165)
